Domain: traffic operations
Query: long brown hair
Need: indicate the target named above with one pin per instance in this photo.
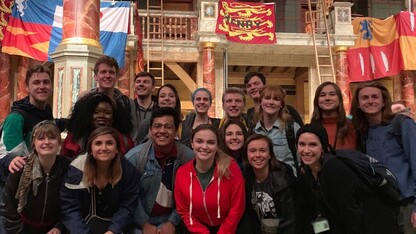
(274, 91)
(222, 159)
(222, 134)
(342, 123)
(359, 118)
(90, 168)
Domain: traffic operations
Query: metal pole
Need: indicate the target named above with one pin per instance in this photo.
(225, 64)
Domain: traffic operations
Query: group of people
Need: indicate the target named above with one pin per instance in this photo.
(139, 166)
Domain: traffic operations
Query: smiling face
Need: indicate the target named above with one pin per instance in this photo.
(104, 148)
(39, 88)
(328, 99)
(167, 98)
(143, 86)
(310, 149)
(103, 115)
(205, 146)
(233, 105)
(201, 102)
(270, 104)
(253, 87)
(47, 144)
(258, 154)
(106, 77)
(163, 132)
(234, 137)
(370, 101)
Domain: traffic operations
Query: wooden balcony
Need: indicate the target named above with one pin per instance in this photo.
(175, 25)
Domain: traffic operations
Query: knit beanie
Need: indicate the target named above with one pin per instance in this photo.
(316, 129)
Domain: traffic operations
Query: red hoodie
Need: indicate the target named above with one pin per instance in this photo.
(215, 207)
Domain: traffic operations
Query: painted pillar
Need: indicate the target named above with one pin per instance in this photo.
(123, 82)
(75, 57)
(81, 22)
(5, 86)
(408, 93)
(208, 74)
(24, 64)
(342, 77)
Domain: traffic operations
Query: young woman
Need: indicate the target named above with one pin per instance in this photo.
(330, 113)
(270, 184)
(31, 200)
(334, 195)
(90, 112)
(233, 134)
(209, 190)
(271, 120)
(202, 100)
(167, 96)
(101, 187)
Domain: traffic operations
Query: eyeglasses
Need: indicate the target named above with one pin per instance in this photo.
(167, 126)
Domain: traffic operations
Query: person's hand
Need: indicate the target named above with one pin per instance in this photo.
(17, 163)
(148, 228)
(167, 228)
(54, 231)
(413, 219)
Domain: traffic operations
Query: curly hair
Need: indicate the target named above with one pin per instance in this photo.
(80, 124)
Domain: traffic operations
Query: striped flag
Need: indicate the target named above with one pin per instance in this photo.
(35, 29)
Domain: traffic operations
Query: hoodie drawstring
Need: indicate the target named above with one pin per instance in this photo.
(218, 199)
(190, 200)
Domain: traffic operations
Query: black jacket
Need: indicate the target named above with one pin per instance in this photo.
(44, 209)
(187, 127)
(282, 184)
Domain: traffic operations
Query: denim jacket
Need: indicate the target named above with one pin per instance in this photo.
(151, 178)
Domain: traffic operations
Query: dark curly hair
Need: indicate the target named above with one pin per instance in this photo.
(80, 124)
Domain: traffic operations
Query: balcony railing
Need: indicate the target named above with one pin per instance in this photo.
(176, 25)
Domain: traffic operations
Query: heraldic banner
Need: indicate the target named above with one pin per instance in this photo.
(383, 48)
(249, 23)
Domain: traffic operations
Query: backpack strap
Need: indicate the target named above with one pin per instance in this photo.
(290, 137)
(396, 129)
(134, 121)
(142, 157)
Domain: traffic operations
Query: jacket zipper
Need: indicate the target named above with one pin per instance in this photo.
(204, 200)
(46, 196)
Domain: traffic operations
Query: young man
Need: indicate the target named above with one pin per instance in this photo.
(142, 106)
(105, 74)
(15, 142)
(372, 116)
(16, 135)
(233, 102)
(254, 82)
(157, 161)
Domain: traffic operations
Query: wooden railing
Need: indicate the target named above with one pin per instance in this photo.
(177, 25)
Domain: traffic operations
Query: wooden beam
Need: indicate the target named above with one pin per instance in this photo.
(178, 70)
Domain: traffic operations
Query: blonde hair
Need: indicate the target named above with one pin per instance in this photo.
(274, 91)
(90, 168)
